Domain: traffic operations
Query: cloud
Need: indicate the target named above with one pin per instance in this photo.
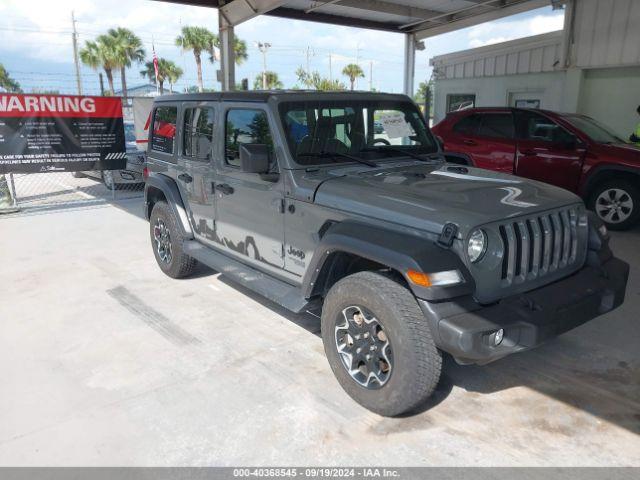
(505, 30)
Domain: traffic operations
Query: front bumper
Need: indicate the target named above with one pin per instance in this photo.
(466, 330)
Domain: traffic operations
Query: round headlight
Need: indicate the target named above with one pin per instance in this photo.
(477, 245)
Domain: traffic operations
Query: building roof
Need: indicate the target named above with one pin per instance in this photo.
(537, 54)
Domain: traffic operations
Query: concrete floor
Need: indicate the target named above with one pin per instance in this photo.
(105, 361)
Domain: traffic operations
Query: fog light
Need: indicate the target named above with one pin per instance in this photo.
(497, 337)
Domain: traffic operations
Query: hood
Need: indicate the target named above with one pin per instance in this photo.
(621, 151)
(425, 196)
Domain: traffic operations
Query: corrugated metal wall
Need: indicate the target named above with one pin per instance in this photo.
(537, 54)
(607, 33)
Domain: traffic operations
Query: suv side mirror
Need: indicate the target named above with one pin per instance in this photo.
(254, 158)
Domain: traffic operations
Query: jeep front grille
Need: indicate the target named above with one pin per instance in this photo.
(540, 245)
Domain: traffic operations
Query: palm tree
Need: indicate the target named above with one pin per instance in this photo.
(318, 82)
(197, 39)
(8, 83)
(353, 71)
(102, 53)
(129, 49)
(174, 72)
(167, 71)
(273, 82)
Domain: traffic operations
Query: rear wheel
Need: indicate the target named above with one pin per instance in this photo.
(109, 180)
(378, 344)
(617, 204)
(167, 242)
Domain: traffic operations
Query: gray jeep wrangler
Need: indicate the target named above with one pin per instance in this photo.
(344, 202)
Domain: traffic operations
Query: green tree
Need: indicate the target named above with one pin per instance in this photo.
(8, 83)
(102, 53)
(353, 71)
(198, 40)
(273, 82)
(317, 82)
(128, 50)
(174, 72)
(167, 71)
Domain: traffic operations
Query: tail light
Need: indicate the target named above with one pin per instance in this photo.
(145, 173)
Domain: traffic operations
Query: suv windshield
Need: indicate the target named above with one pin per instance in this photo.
(369, 129)
(593, 129)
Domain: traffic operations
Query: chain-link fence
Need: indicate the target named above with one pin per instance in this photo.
(25, 193)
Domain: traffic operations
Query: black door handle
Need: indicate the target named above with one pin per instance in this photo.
(186, 178)
(528, 153)
(469, 142)
(224, 188)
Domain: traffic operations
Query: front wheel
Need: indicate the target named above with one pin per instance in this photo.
(378, 344)
(617, 204)
(109, 180)
(167, 242)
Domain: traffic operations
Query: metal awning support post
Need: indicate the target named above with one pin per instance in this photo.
(409, 63)
(227, 53)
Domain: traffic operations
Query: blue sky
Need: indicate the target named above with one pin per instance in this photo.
(35, 42)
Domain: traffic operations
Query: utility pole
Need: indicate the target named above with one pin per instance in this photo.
(370, 75)
(263, 47)
(330, 70)
(310, 53)
(74, 39)
(357, 60)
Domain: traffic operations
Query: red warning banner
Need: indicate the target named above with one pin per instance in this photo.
(45, 133)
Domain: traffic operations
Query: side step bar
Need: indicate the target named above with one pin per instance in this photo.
(277, 291)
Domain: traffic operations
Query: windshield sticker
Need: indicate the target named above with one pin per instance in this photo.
(395, 125)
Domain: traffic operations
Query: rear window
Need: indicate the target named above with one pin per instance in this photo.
(164, 129)
(497, 125)
(468, 125)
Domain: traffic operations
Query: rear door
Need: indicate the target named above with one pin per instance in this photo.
(195, 159)
(250, 206)
(548, 152)
(488, 138)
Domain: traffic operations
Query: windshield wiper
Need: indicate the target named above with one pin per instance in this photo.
(341, 155)
(417, 156)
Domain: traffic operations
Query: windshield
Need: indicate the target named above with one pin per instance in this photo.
(593, 129)
(367, 129)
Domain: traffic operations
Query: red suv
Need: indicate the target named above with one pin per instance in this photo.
(568, 150)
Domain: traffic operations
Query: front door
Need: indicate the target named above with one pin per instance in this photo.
(195, 178)
(547, 151)
(250, 213)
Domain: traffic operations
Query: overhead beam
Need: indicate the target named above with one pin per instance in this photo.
(237, 11)
(518, 6)
(380, 6)
(295, 14)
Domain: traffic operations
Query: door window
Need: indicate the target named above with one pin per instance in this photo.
(198, 133)
(496, 125)
(164, 129)
(468, 125)
(245, 126)
(533, 126)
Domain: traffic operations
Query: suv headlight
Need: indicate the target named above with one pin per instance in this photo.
(477, 245)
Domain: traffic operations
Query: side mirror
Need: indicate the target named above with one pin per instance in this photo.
(254, 158)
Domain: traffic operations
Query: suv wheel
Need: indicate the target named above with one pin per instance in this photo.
(617, 204)
(167, 241)
(378, 344)
(108, 180)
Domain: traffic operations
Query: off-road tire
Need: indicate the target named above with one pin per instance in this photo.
(181, 264)
(632, 190)
(417, 362)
